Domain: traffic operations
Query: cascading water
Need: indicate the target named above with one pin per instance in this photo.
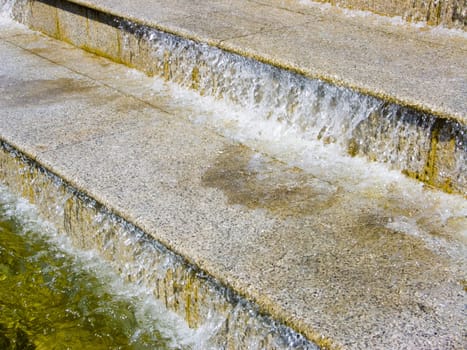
(312, 110)
(316, 109)
(423, 146)
(55, 295)
(213, 317)
(14, 9)
(304, 123)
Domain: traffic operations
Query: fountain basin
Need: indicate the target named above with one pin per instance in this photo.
(347, 253)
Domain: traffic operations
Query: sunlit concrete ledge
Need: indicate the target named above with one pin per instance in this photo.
(418, 76)
(333, 264)
(419, 68)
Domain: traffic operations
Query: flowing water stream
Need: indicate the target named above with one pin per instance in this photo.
(305, 124)
(98, 280)
(55, 296)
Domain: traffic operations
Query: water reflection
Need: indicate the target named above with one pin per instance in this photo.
(50, 299)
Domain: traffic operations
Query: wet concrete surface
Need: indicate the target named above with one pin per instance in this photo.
(348, 264)
(417, 67)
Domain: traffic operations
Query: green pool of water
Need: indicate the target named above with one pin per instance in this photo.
(53, 299)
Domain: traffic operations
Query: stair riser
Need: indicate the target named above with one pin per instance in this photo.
(183, 288)
(426, 147)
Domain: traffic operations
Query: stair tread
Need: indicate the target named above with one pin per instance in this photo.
(419, 67)
(339, 251)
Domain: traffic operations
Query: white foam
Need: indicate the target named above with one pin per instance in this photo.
(6, 16)
(6, 10)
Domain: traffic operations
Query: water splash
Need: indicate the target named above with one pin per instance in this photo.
(142, 318)
(214, 317)
(376, 185)
(406, 20)
(6, 12)
(14, 9)
(327, 174)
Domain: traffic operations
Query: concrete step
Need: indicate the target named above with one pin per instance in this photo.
(345, 252)
(449, 13)
(391, 93)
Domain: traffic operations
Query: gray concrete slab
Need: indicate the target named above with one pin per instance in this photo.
(412, 66)
(43, 93)
(348, 257)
